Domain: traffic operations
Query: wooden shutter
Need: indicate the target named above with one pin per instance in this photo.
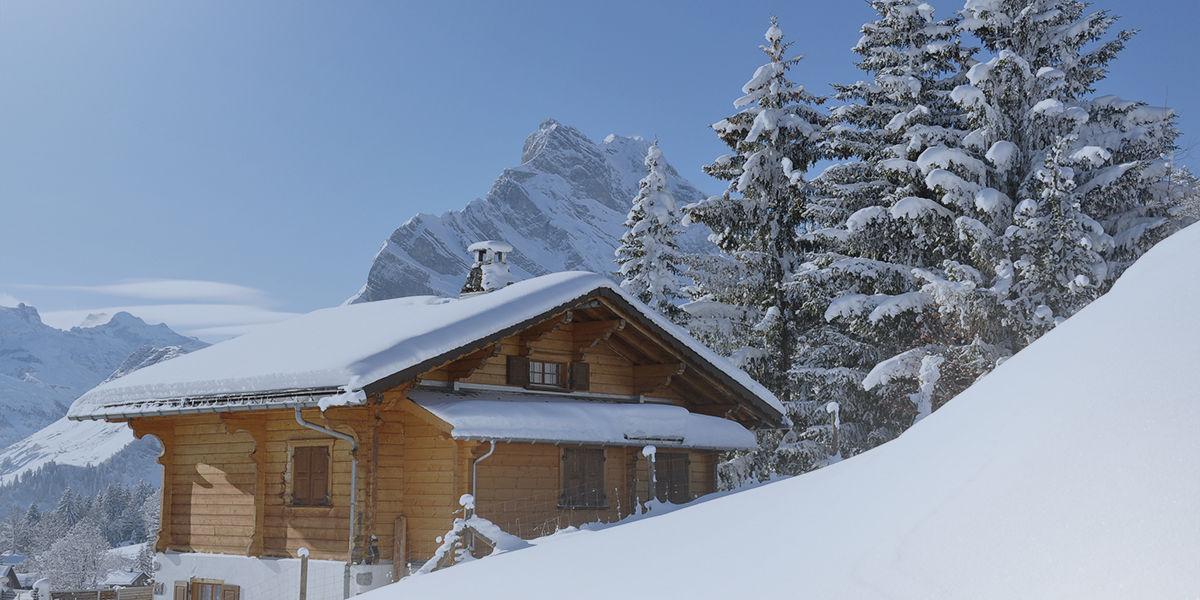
(319, 478)
(230, 592)
(572, 478)
(181, 589)
(301, 475)
(310, 475)
(580, 376)
(518, 370)
(671, 475)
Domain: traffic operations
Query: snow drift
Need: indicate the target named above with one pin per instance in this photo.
(1069, 472)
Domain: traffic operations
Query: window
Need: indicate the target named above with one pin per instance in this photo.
(524, 372)
(205, 589)
(583, 478)
(545, 373)
(310, 476)
(671, 477)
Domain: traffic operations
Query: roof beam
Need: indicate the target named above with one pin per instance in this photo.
(531, 336)
(649, 378)
(586, 335)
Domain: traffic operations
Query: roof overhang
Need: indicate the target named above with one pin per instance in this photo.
(517, 417)
(302, 398)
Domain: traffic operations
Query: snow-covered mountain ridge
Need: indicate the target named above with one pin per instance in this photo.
(43, 369)
(563, 208)
(1068, 472)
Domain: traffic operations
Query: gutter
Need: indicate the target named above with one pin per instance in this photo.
(353, 484)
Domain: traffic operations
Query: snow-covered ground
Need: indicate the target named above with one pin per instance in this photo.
(1069, 472)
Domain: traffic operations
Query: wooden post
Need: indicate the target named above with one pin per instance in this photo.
(399, 549)
(303, 552)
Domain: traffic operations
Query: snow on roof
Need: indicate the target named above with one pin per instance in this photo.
(495, 245)
(1068, 472)
(506, 416)
(122, 578)
(342, 349)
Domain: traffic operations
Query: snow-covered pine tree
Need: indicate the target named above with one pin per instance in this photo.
(1050, 55)
(1053, 244)
(1032, 93)
(885, 221)
(774, 139)
(648, 255)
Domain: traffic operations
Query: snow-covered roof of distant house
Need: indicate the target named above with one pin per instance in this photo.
(122, 578)
(335, 356)
(12, 559)
(516, 417)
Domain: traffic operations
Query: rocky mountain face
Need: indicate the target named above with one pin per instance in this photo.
(43, 369)
(563, 208)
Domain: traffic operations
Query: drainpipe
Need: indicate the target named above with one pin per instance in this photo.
(475, 487)
(475, 470)
(353, 484)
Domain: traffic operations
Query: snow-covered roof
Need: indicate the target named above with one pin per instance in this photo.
(340, 352)
(122, 578)
(516, 417)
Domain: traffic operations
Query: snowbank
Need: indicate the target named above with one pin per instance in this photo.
(1069, 472)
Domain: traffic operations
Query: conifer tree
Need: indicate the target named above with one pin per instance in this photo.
(648, 255)
(1045, 174)
(774, 140)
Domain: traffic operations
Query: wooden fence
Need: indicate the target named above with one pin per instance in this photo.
(129, 593)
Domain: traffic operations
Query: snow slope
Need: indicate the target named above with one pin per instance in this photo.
(79, 444)
(562, 209)
(43, 369)
(1071, 471)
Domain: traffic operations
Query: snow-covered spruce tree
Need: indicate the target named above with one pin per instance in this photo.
(774, 140)
(1030, 115)
(886, 221)
(1054, 244)
(1050, 55)
(648, 256)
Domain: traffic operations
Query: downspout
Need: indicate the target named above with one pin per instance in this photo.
(475, 470)
(475, 487)
(353, 484)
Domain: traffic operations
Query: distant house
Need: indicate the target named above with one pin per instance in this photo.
(125, 579)
(9, 578)
(353, 431)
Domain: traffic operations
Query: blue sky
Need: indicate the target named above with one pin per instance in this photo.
(219, 164)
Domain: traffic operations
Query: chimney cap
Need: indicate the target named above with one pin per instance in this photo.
(493, 245)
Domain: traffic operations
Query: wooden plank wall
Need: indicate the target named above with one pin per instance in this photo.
(212, 479)
(323, 530)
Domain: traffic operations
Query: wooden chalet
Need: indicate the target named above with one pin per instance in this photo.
(353, 431)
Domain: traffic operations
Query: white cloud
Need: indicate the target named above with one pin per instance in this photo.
(8, 300)
(194, 290)
(210, 322)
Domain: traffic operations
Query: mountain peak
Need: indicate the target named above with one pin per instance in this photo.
(563, 208)
(554, 138)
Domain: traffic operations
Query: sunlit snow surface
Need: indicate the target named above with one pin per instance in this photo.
(1072, 471)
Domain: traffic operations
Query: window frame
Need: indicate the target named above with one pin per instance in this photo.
(580, 499)
(558, 372)
(291, 473)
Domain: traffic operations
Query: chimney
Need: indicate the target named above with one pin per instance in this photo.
(490, 269)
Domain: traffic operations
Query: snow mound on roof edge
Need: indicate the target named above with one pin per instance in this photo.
(1069, 472)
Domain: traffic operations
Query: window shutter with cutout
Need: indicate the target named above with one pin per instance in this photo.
(181, 590)
(230, 592)
(518, 370)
